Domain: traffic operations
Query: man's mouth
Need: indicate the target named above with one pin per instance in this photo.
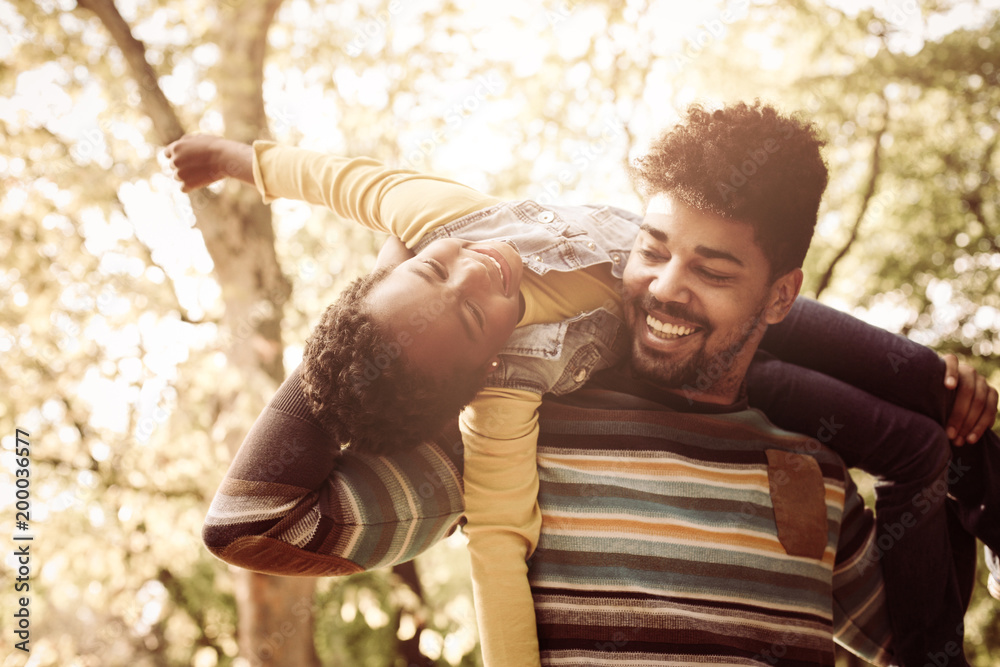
(500, 264)
(668, 331)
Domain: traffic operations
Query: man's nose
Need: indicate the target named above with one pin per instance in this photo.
(670, 284)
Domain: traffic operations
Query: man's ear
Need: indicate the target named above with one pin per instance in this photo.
(782, 295)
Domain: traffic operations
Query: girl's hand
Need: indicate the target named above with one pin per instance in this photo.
(198, 160)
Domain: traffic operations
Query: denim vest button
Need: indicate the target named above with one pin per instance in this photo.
(591, 246)
(546, 216)
(580, 375)
(537, 258)
(616, 258)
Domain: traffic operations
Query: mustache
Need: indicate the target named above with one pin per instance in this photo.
(649, 303)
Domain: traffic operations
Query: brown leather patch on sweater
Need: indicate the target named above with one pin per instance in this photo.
(799, 501)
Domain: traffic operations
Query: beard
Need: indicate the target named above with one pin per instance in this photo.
(705, 370)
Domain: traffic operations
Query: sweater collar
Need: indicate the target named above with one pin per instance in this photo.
(621, 379)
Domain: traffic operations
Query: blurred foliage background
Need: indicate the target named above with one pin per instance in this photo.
(141, 330)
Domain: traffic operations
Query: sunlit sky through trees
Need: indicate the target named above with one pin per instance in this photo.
(112, 330)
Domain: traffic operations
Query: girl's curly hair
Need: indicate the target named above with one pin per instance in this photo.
(360, 386)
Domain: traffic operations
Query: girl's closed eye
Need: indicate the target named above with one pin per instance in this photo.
(437, 268)
(477, 314)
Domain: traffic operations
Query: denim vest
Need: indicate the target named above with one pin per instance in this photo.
(556, 357)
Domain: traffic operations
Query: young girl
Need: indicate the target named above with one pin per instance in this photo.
(395, 342)
(443, 314)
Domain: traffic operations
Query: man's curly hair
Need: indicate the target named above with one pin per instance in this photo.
(360, 386)
(745, 163)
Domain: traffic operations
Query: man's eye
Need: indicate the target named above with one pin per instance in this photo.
(715, 277)
(651, 256)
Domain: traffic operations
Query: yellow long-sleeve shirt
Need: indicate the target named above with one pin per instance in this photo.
(500, 427)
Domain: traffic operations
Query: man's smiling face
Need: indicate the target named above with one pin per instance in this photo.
(698, 296)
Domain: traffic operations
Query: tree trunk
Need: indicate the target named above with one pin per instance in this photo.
(275, 619)
(409, 649)
(275, 613)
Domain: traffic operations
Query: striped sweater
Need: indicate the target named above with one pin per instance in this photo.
(667, 538)
(676, 538)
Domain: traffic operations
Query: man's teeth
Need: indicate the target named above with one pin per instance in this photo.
(665, 330)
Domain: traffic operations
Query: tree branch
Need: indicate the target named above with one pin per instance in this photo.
(974, 198)
(165, 122)
(875, 171)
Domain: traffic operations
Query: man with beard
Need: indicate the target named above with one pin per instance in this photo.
(678, 523)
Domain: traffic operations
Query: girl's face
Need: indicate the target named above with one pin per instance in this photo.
(453, 306)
